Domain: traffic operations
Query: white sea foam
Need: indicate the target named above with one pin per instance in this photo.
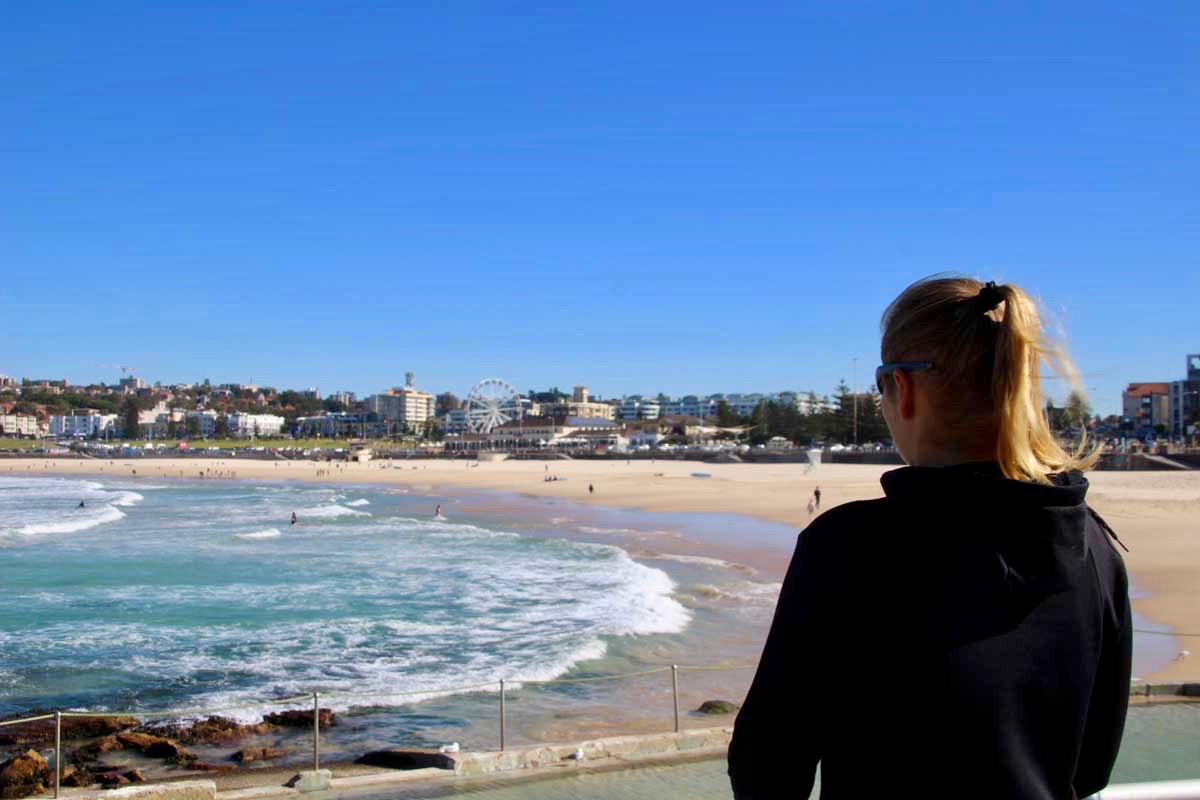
(126, 499)
(704, 561)
(621, 531)
(744, 592)
(330, 512)
(269, 533)
(362, 501)
(86, 519)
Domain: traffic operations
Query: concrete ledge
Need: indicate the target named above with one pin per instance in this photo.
(312, 780)
(382, 778)
(177, 790)
(257, 793)
(625, 748)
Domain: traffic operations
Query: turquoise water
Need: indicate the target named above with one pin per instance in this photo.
(202, 594)
(184, 594)
(1161, 743)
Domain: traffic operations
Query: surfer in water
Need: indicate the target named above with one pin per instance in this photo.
(293, 517)
(82, 504)
(438, 513)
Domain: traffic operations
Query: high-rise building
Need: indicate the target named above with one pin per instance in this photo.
(1183, 405)
(405, 405)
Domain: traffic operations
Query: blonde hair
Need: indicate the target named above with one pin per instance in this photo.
(987, 345)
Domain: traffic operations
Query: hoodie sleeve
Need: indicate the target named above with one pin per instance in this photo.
(769, 751)
(1110, 693)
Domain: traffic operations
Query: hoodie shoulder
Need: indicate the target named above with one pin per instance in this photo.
(845, 525)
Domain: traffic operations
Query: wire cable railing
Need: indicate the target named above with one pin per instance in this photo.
(1183, 789)
(503, 685)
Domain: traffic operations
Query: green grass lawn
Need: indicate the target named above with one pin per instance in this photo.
(270, 444)
(22, 444)
(199, 444)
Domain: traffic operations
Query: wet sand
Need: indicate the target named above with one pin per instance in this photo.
(1156, 514)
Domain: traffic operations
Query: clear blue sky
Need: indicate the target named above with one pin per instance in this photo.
(679, 197)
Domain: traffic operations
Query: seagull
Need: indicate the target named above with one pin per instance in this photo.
(577, 755)
(449, 748)
(1183, 654)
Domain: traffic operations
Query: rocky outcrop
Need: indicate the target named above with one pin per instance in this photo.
(250, 754)
(148, 743)
(717, 707)
(112, 779)
(42, 731)
(214, 730)
(75, 775)
(23, 775)
(400, 758)
(136, 741)
(299, 719)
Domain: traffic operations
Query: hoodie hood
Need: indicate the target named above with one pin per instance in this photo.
(996, 543)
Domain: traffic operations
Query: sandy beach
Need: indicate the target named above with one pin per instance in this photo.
(1156, 514)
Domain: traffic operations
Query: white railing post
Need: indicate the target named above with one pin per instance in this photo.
(503, 714)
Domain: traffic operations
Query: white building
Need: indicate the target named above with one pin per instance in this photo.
(18, 425)
(638, 407)
(205, 421)
(455, 421)
(83, 424)
(242, 425)
(406, 405)
(341, 423)
(690, 406)
(580, 405)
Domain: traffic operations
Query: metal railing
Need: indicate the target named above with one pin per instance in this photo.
(504, 687)
(1159, 790)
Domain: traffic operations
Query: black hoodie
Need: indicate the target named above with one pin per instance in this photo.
(965, 636)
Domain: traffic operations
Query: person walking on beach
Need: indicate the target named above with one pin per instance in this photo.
(817, 496)
(591, 489)
(994, 600)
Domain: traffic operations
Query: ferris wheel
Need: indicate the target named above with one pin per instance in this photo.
(491, 404)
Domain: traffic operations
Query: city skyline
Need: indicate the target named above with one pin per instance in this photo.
(1102, 407)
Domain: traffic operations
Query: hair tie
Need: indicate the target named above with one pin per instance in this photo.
(990, 296)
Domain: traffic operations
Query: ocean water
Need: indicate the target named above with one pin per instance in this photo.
(198, 593)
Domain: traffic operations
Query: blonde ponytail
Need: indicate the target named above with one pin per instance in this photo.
(987, 346)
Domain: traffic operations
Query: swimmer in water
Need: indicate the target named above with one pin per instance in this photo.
(293, 517)
(438, 514)
(81, 504)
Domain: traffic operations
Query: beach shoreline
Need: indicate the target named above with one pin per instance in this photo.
(1154, 513)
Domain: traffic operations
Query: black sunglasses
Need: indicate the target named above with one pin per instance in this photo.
(883, 370)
